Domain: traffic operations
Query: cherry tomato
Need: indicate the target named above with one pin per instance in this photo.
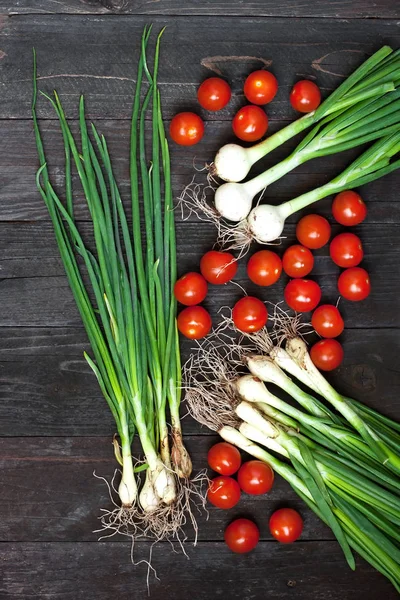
(302, 295)
(250, 123)
(305, 96)
(223, 492)
(186, 129)
(297, 261)
(313, 231)
(194, 322)
(346, 250)
(224, 458)
(241, 536)
(260, 87)
(354, 284)
(218, 267)
(286, 525)
(349, 208)
(214, 93)
(327, 354)
(249, 314)
(327, 321)
(264, 267)
(190, 289)
(255, 477)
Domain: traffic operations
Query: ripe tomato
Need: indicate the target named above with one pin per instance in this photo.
(224, 458)
(286, 525)
(194, 322)
(191, 289)
(260, 87)
(223, 492)
(241, 536)
(327, 321)
(327, 354)
(255, 477)
(346, 250)
(305, 96)
(313, 231)
(186, 129)
(264, 267)
(297, 261)
(354, 284)
(250, 123)
(302, 295)
(349, 208)
(218, 267)
(249, 314)
(214, 93)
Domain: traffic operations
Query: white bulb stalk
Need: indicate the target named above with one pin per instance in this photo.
(127, 489)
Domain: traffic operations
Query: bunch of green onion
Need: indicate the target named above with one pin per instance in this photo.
(341, 458)
(123, 288)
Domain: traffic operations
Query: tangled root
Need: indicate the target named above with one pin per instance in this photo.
(288, 327)
(193, 200)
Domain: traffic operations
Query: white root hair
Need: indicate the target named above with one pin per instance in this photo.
(287, 327)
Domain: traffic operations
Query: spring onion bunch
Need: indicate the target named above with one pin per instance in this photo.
(123, 288)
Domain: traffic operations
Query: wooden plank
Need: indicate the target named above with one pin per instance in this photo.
(47, 389)
(350, 9)
(99, 60)
(76, 571)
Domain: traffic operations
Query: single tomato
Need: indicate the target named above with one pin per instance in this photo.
(190, 289)
(255, 477)
(249, 314)
(297, 261)
(264, 267)
(327, 321)
(302, 295)
(186, 129)
(241, 536)
(313, 231)
(224, 458)
(260, 87)
(286, 525)
(349, 208)
(354, 284)
(346, 250)
(327, 354)
(223, 492)
(214, 93)
(194, 322)
(250, 123)
(305, 96)
(218, 267)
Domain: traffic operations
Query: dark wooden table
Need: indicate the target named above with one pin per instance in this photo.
(55, 427)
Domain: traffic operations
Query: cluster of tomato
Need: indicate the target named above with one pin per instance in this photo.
(254, 477)
(251, 122)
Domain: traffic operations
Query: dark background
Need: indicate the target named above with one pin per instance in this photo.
(55, 428)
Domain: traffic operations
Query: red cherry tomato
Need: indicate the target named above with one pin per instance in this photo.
(224, 458)
(255, 477)
(354, 284)
(327, 321)
(223, 492)
(327, 354)
(214, 93)
(313, 231)
(249, 314)
(302, 295)
(346, 250)
(305, 96)
(218, 267)
(190, 289)
(349, 208)
(186, 129)
(241, 536)
(250, 123)
(260, 87)
(194, 322)
(264, 267)
(286, 525)
(297, 261)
